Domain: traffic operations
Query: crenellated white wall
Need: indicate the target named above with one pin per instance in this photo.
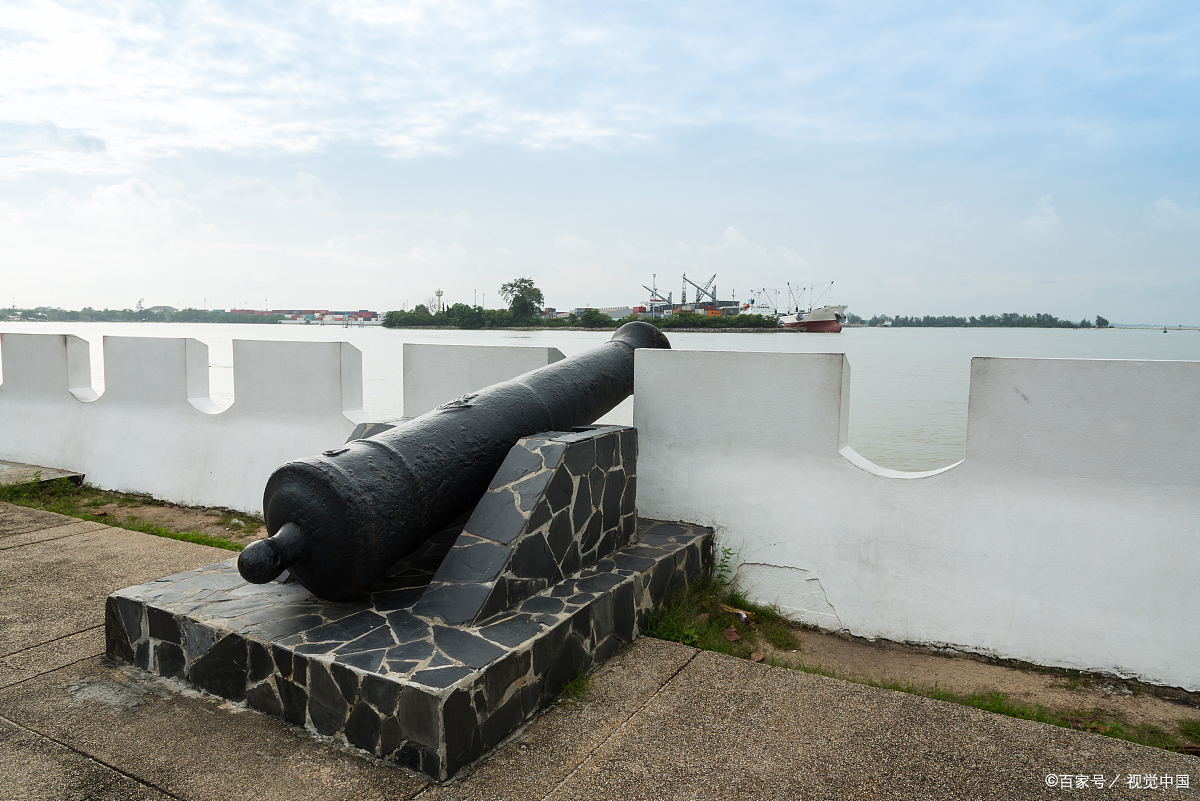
(437, 374)
(156, 430)
(1068, 536)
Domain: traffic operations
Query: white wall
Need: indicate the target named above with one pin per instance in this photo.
(1069, 536)
(437, 374)
(156, 430)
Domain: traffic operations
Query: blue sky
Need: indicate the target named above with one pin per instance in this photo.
(931, 158)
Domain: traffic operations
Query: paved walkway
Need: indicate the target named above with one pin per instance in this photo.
(660, 721)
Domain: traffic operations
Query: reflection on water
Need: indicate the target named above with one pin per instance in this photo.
(908, 399)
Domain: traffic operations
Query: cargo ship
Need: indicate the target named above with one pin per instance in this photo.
(825, 320)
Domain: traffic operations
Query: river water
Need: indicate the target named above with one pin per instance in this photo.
(909, 386)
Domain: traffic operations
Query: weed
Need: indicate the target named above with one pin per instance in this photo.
(65, 498)
(577, 688)
(1190, 728)
(700, 616)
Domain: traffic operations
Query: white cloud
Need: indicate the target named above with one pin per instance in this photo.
(567, 242)
(1167, 215)
(1044, 219)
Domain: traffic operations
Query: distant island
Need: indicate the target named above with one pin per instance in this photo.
(460, 315)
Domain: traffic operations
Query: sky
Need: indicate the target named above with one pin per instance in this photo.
(926, 157)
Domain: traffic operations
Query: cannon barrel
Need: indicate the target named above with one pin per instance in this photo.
(340, 520)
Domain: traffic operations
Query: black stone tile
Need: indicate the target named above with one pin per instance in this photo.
(315, 649)
(222, 669)
(606, 451)
(581, 507)
(542, 604)
(602, 617)
(419, 717)
(560, 535)
(607, 544)
(283, 661)
(463, 738)
(327, 706)
(596, 482)
(519, 463)
(559, 490)
(570, 660)
(629, 445)
(363, 660)
(168, 660)
(130, 615)
(552, 453)
(604, 649)
(591, 534)
(398, 599)
(407, 626)
(496, 517)
(346, 680)
(512, 631)
(262, 697)
(441, 660)
(275, 630)
(540, 516)
(371, 641)
(580, 457)
(572, 561)
(503, 675)
(547, 646)
(347, 628)
(294, 700)
(480, 563)
(623, 609)
(381, 694)
(629, 496)
(626, 561)
(116, 641)
(416, 651)
(300, 670)
(162, 625)
(441, 677)
(496, 602)
(581, 625)
(661, 580)
(467, 648)
(389, 737)
(497, 725)
(533, 560)
(610, 505)
(362, 727)
(455, 604)
(530, 490)
(260, 662)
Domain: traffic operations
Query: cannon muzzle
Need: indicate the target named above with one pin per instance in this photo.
(341, 520)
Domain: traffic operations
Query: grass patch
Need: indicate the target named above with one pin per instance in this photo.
(67, 498)
(576, 689)
(701, 616)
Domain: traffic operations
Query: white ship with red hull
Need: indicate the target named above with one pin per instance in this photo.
(825, 320)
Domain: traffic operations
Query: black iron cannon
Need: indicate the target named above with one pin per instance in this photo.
(340, 520)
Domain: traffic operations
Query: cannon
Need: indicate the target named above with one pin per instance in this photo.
(339, 521)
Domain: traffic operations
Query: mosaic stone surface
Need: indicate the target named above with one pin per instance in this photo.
(381, 676)
(560, 502)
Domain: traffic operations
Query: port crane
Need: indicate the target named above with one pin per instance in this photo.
(702, 291)
(656, 298)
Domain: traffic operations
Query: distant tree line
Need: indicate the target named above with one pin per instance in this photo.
(1007, 320)
(89, 315)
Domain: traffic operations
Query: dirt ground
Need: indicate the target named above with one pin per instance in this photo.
(232, 526)
(887, 662)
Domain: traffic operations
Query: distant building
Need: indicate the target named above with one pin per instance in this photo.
(328, 317)
(162, 309)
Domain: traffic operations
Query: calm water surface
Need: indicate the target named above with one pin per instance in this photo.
(909, 386)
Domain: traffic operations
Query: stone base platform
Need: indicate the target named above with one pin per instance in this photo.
(408, 688)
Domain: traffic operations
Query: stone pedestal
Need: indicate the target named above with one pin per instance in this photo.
(518, 604)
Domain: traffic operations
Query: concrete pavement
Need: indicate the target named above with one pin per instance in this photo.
(660, 720)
